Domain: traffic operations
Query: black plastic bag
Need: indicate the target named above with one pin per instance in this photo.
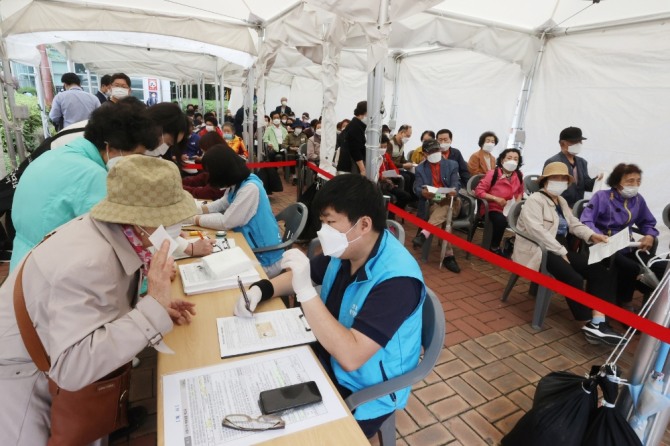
(563, 406)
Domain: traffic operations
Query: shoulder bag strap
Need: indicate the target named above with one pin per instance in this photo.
(28, 333)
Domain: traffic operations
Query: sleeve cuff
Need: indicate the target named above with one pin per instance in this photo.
(153, 321)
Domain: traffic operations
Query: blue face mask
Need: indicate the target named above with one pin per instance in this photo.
(227, 136)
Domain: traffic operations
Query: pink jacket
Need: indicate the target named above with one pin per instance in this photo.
(503, 187)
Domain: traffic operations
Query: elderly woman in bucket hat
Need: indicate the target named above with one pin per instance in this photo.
(81, 291)
(547, 217)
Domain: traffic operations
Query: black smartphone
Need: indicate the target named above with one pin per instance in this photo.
(289, 397)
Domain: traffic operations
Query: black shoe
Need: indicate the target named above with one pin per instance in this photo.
(294, 181)
(449, 262)
(419, 240)
(601, 333)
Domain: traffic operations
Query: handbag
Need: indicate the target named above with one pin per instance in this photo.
(85, 415)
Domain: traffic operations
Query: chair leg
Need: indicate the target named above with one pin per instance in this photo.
(471, 235)
(387, 431)
(425, 249)
(508, 289)
(488, 235)
(542, 302)
(532, 289)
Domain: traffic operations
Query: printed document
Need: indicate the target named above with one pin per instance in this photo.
(196, 279)
(440, 190)
(196, 401)
(265, 331)
(600, 251)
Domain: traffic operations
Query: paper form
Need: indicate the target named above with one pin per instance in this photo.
(196, 279)
(196, 401)
(600, 251)
(265, 331)
(440, 190)
(508, 206)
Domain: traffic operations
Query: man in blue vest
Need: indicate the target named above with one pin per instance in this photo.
(367, 319)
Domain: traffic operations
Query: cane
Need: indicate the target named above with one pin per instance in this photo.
(445, 244)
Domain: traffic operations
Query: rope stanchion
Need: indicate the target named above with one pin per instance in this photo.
(611, 310)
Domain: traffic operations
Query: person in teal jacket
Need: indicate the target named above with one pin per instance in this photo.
(67, 182)
(368, 318)
(244, 207)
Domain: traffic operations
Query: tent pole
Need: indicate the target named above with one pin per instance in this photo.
(40, 101)
(9, 87)
(394, 104)
(222, 95)
(518, 136)
(88, 79)
(216, 92)
(248, 111)
(260, 102)
(375, 102)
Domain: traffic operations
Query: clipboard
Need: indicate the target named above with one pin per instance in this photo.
(264, 331)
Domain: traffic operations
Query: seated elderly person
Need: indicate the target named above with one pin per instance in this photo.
(198, 185)
(437, 171)
(244, 207)
(417, 154)
(292, 144)
(367, 318)
(500, 185)
(618, 209)
(547, 217)
(234, 142)
(314, 144)
(482, 160)
(81, 290)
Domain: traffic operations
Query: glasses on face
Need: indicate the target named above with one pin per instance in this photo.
(242, 422)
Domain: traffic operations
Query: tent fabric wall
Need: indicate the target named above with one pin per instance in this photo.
(466, 92)
(615, 85)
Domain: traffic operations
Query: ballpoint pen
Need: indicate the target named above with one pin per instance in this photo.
(247, 304)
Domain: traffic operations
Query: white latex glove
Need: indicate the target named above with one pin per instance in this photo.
(254, 294)
(298, 263)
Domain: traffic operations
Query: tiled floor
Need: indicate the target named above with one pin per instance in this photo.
(486, 375)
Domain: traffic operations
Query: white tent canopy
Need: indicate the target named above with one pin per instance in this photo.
(462, 63)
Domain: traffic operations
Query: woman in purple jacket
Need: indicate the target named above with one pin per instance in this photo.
(618, 209)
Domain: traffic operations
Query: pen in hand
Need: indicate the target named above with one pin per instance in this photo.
(247, 304)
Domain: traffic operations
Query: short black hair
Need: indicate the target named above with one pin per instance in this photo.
(273, 114)
(429, 132)
(190, 105)
(443, 131)
(123, 126)
(361, 108)
(70, 79)
(485, 135)
(354, 196)
(225, 167)
(619, 171)
(105, 80)
(212, 119)
(123, 76)
(170, 118)
(404, 127)
(504, 153)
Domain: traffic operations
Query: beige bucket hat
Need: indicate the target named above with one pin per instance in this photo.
(556, 168)
(144, 191)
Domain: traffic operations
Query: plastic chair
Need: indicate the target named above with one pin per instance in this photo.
(579, 206)
(542, 294)
(465, 222)
(294, 217)
(393, 226)
(530, 184)
(666, 216)
(432, 340)
(480, 218)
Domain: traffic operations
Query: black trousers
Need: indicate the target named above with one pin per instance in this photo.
(498, 224)
(599, 282)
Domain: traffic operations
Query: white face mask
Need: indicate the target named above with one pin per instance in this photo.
(556, 188)
(297, 131)
(488, 147)
(158, 151)
(283, 121)
(510, 165)
(276, 121)
(334, 242)
(444, 146)
(629, 191)
(575, 148)
(318, 132)
(434, 157)
(209, 128)
(119, 92)
(111, 162)
(284, 103)
(405, 140)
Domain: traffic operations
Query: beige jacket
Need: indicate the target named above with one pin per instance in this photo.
(539, 219)
(80, 288)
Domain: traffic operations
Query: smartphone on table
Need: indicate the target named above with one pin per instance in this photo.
(289, 397)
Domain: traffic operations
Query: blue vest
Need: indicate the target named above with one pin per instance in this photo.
(401, 354)
(262, 230)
